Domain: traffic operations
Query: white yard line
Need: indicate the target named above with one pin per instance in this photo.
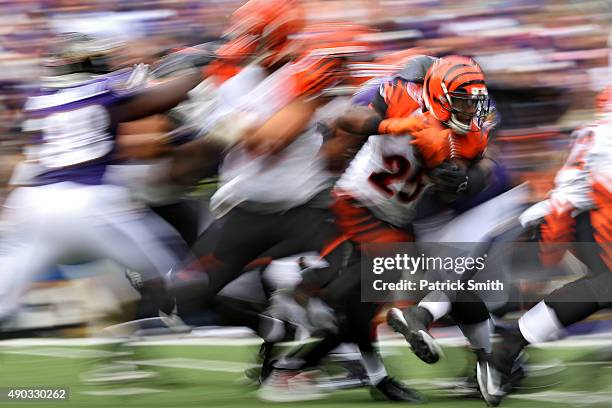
(179, 362)
(64, 352)
(123, 392)
(192, 364)
(578, 398)
(199, 340)
(90, 341)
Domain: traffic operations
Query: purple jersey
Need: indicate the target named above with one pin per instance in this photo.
(368, 90)
(75, 131)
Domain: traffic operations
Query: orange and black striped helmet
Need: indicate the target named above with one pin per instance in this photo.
(262, 28)
(455, 93)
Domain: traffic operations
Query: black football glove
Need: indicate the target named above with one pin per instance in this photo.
(450, 177)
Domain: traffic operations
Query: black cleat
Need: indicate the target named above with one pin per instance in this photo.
(412, 323)
(495, 374)
(393, 390)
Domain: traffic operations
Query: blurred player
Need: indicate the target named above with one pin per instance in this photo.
(70, 213)
(273, 183)
(167, 155)
(408, 151)
(430, 120)
(579, 210)
(274, 192)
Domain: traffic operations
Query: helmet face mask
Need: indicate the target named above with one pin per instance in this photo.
(468, 109)
(454, 91)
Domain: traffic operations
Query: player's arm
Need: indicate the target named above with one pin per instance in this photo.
(363, 121)
(360, 121)
(156, 99)
(143, 139)
(372, 120)
(309, 79)
(340, 148)
(282, 128)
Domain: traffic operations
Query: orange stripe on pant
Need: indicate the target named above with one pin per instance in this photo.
(360, 226)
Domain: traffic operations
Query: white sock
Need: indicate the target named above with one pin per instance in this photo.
(478, 334)
(437, 303)
(374, 367)
(540, 324)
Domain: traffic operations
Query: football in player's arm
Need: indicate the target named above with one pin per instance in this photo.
(434, 141)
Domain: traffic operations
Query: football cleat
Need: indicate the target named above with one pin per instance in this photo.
(494, 375)
(394, 390)
(467, 387)
(412, 324)
(489, 383)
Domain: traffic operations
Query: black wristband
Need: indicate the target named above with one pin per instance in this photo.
(371, 125)
(477, 180)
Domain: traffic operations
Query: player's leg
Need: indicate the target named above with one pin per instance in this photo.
(221, 254)
(18, 268)
(354, 325)
(360, 316)
(286, 381)
(479, 224)
(563, 307)
(136, 238)
(362, 228)
(25, 249)
(183, 216)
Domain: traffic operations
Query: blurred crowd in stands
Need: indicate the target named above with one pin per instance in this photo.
(545, 60)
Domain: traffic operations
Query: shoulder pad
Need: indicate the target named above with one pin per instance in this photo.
(416, 68)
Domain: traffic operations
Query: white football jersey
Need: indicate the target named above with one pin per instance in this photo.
(572, 185)
(599, 158)
(387, 177)
(590, 160)
(280, 182)
(589, 163)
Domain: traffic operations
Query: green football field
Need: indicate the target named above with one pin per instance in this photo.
(197, 375)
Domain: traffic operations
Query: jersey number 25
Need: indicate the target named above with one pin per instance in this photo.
(398, 168)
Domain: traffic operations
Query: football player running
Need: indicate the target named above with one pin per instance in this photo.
(418, 136)
(274, 192)
(578, 211)
(430, 133)
(69, 212)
